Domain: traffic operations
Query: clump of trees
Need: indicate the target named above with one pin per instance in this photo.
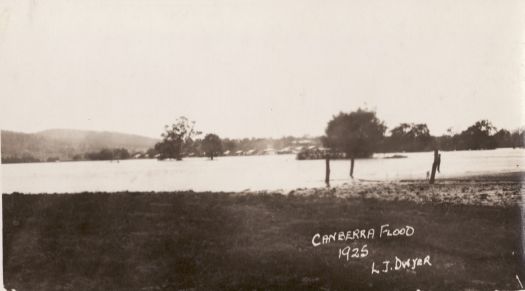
(409, 137)
(26, 158)
(481, 135)
(106, 155)
(357, 134)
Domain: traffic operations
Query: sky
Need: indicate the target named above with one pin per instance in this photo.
(259, 68)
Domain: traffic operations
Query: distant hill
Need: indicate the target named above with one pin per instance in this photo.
(66, 143)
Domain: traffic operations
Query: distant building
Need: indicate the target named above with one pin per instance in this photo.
(269, 151)
(284, 151)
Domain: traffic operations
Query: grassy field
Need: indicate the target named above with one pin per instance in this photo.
(209, 241)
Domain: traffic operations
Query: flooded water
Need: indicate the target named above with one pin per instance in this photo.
(242, 173)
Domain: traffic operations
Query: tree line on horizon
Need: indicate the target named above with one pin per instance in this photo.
(181, 139)
(105, 154)
(410, 137)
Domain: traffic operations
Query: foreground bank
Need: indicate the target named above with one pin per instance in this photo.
(304, 240)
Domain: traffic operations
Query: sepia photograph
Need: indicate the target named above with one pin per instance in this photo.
(262, 145)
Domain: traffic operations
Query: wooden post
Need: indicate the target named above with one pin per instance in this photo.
(434, 166)
(352, 167)
(327, 174)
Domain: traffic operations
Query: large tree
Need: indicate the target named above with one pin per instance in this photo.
(175, 137)
(357, 134)
(212, 145)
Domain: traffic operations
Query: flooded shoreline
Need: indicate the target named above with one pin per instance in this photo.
(254, 173)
